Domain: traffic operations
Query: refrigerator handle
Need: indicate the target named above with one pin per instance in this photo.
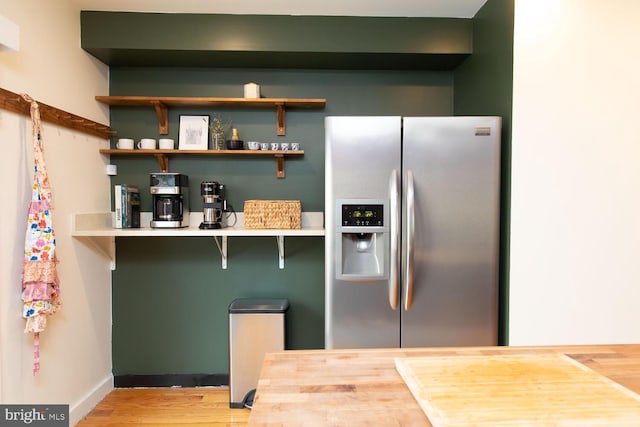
(394, 238)
(408, 287)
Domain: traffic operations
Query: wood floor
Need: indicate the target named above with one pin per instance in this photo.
(166, 407)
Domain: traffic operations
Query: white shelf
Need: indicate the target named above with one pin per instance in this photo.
(96, 230)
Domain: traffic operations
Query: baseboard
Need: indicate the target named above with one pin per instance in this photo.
(80, 409)
(171, 380)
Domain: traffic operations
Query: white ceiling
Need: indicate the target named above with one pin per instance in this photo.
(411, 8)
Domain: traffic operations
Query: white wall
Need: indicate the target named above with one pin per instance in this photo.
(76, 346)
(575, 226)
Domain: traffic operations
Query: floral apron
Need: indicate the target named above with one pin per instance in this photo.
(40, 285)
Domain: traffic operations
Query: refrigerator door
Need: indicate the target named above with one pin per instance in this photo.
(362, 157)
(450, 231)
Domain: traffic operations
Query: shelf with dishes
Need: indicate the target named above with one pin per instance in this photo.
(161, 105)
(96, 230)
(163, 156)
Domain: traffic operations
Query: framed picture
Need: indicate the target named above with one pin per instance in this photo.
(194, 133)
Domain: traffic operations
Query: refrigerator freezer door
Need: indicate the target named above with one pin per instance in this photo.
(455, 164)
(361, 156)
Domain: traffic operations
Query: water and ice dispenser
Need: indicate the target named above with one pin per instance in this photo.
(362, 239)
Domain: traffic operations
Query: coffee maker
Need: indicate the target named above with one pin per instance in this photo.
(214, 205)
(170, 193)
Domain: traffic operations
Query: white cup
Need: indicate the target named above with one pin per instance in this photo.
(147, 144)
(124, 144)
(295, 146)
(264, 146)
(285, 146)
(166, 143)
(274, 146)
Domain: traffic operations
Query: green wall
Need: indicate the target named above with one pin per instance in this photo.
(483, 85)
(170, 295)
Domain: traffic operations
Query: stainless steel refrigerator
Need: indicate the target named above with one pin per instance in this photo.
(412, 231)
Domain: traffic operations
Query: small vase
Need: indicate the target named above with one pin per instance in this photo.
(217, 141)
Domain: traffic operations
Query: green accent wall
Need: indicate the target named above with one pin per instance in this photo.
(483, 85)
(170, 295)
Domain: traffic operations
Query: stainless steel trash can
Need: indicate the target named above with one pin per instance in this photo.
(256, 327)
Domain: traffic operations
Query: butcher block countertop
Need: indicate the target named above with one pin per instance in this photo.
(578, 385)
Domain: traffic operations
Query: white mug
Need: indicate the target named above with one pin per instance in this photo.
(166, 143)
(285, 146)
(295, 146)
(124, 144)
(147, 144)
(264, 146)
(274, 146)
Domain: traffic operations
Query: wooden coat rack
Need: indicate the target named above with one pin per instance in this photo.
(14, 102)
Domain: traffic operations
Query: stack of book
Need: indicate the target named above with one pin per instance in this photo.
(127, 206)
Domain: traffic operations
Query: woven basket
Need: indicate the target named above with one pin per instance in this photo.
(267, 214)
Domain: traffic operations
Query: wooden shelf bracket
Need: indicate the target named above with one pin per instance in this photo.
(280, 115)
(163, 162)
(280, 166)
(162, 111)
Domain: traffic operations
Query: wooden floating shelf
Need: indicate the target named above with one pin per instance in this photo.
(161, 105)
(163, 155)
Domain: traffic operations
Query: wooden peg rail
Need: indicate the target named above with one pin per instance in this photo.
(14, 102)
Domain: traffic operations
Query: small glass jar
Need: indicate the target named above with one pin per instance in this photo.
(217, 141)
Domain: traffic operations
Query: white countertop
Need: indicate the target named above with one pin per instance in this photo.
(100, 224)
